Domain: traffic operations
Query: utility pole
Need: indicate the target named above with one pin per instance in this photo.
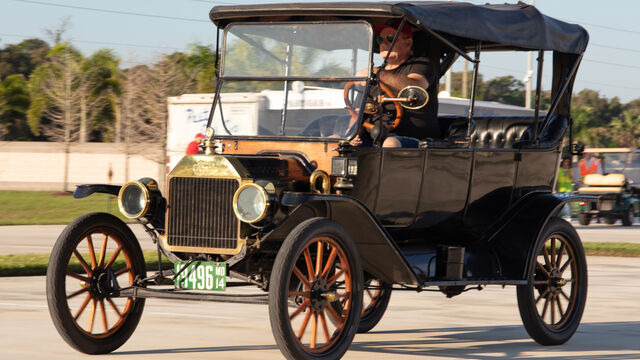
(465, 78)
(529, 76)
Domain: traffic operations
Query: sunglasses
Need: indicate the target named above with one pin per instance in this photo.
(380, 39)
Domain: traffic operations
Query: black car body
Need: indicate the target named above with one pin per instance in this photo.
(287, 205)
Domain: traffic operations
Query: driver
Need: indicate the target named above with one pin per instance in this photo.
(404, 69)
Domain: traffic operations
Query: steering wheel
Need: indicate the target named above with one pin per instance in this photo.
(367, 124)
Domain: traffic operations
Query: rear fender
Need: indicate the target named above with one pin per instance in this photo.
(514, 240)
(85, 190)
(379, 255)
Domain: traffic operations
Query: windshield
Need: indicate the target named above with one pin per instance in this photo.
(623, 163)
(288, 79)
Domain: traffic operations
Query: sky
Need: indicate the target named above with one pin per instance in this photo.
(139, 31)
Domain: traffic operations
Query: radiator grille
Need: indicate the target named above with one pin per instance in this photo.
(201, 213)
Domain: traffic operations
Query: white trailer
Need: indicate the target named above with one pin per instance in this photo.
(188, 113)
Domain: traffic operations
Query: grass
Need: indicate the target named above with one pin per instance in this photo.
(46, 208)
(612, 249)
(36, 264)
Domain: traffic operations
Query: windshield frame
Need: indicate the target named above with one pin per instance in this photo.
(287, 79)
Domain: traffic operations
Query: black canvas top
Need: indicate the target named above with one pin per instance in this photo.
(516, 26)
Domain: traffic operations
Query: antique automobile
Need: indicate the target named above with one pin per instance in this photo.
(327, 230)
(617, 188)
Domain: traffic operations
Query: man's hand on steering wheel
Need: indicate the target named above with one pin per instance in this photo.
(371, 106)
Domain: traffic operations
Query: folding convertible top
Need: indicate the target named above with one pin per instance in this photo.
(503, 26)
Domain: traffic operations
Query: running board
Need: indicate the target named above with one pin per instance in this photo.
(140, 292)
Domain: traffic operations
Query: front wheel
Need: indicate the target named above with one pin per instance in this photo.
(552, 303)
(94, 256)
(315, 292)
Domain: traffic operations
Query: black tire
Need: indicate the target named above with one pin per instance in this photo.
(627, 217)
(375, 302)
(610, 220)
(584, 219)
(96, 275)
(548, 282)
(318, 294)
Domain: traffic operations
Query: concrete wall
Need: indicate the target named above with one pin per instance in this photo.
(41, 165)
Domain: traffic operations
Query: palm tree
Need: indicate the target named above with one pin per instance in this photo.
(627, 129)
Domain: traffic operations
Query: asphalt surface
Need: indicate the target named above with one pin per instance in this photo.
(39, 239)
(475, 325)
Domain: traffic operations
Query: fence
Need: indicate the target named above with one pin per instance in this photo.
(41, 165)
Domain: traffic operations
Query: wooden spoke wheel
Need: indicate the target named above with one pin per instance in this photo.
(315, 293)
(374, 303)
(552, 303)
(94, 256)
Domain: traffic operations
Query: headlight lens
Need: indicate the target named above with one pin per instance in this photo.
(250, 203)
(133, 200)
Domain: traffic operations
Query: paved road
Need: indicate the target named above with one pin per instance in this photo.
(40, 238)
(475, 325)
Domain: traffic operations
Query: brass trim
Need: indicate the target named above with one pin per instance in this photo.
(147, 196)
(326, 182)
(217, 251)
(265, 198)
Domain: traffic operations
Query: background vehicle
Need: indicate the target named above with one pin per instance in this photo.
(327, 229)
(618, 188)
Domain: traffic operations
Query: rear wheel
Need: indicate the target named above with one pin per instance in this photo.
(627, 217)
(315, 292)
(375, 301)
(584, 219)
(94, 256)
(610, 220)
(552, 303)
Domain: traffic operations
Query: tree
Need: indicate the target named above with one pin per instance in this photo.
(22, 58)
(58, 99)
(627, 129)
(14, 103)
(103, 81)
(201, 60)
(505, 89)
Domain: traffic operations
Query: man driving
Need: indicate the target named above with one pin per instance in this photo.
(403, 69)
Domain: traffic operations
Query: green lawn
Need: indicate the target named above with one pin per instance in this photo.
(46, 207)
(36, 264)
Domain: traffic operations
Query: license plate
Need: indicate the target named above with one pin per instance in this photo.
(201, 275)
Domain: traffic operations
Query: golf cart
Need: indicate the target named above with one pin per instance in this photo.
(617, 189)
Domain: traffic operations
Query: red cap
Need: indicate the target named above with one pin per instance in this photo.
(199, 136)
(406, 29)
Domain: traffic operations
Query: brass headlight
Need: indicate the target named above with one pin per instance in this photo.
(250, 203)
(134, 199)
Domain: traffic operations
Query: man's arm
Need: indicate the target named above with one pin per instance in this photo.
(397, 82)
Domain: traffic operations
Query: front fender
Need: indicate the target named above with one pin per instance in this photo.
(85, 190)
(379, 254)
(513, 242)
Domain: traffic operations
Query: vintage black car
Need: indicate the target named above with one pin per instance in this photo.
(327, 229)
(617, 188)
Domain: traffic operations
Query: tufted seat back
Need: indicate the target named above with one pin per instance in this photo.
(501, 131)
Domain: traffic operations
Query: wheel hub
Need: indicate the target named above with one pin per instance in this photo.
(320, 295)
(556, 281)
(103, 283)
